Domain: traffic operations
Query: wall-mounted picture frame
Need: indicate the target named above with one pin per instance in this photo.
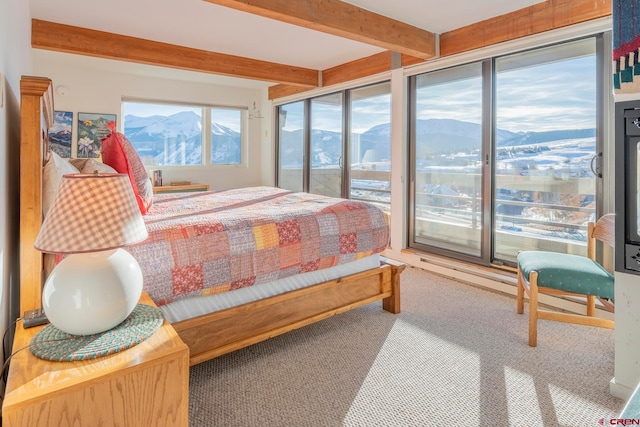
(92, 127)
(60, 133)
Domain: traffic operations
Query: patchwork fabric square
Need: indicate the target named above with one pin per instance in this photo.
(187, 280)
(289, 232)
(212, 242)
(328, 224)
(266, 236)
(241, 241)
(289, 255)
(216, 272)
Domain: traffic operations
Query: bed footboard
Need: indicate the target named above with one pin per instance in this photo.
(224, 331)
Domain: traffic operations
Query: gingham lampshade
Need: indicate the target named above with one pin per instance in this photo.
(92, 212)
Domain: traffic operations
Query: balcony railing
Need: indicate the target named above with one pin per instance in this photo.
(526, 207)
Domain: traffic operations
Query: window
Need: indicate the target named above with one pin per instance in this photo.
(291, 147)
(180, 135)
(327, 145)
(448, 159)
(338, 145)
(225, 136)
(545, 189)
(502, 153)
(370, 146)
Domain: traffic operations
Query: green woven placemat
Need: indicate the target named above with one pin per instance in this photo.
(54, 345)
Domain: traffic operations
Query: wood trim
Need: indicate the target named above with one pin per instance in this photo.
(283, 90)
(84, 41)
(180, 188)
(224, 331)
(36, 112)
(540, 17)
(392, 303)
(408, 60)
(343, 20)
(363, 67)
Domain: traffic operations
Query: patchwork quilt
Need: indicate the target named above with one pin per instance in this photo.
(210, 242)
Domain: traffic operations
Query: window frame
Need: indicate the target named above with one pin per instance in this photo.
(206, 141)
(345, 164)
(487, 257)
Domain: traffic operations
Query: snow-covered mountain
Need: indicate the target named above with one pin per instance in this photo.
(456, 139)
(183, 134)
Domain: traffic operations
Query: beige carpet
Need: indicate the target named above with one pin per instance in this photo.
(456, 355)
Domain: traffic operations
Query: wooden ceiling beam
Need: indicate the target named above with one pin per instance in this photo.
(284, 90)
(83, 41)
(535, 19)
(364, 67)
(343, 20)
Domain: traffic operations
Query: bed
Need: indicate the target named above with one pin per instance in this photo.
(222, 326)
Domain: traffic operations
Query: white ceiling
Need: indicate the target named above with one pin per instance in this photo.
(203, 25)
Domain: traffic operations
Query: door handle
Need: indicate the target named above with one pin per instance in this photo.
(597, 170)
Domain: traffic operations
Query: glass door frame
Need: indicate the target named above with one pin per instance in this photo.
(345, 164)
(487, 170)
(486, 257)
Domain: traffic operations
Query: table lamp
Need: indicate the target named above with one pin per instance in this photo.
(98, 284)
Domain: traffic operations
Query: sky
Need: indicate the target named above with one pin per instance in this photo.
(225, 117)
(62, 121)
(551, 96)
(548, 96)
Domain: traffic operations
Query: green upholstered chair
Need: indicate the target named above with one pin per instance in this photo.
(564, 274)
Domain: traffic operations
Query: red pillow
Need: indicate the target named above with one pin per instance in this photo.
(118, 153)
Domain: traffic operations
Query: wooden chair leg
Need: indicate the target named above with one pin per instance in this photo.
(533, 309)
(520, 297)
(591, 305)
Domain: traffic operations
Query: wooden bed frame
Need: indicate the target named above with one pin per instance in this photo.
(210, 335)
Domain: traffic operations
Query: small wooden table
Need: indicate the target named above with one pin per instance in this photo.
(145, 385)
(181, 188)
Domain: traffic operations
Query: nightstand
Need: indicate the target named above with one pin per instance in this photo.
(145, 385)
(181, 188)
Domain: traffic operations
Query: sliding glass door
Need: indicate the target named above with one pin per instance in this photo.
(327, 145)
(504, 153)
(447, 160)
(546, 123)
(370, 145)
(291, 146)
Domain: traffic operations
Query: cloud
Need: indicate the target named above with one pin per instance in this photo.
(553, 95)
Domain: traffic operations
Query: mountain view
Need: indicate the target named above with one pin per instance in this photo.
(177, 139)
(441, 143)
(448, 143)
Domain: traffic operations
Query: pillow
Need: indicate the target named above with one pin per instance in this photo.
(52, 172)
(91, 166)
(118, 153)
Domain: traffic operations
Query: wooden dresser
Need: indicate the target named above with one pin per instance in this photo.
(187, 188)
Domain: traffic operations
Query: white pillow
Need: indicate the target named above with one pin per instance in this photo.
(91, 166)
(52, 173)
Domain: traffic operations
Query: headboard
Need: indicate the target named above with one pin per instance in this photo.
(36, 117)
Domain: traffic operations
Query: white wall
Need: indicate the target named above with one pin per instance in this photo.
(627, 352)
(95, 85)
(15, 60)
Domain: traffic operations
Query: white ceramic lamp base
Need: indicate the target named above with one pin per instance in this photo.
(92, 292)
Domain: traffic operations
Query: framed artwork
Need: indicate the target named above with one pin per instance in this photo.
(60, 133)
(92, 127)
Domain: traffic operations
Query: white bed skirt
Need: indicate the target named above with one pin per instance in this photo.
(192, 307)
